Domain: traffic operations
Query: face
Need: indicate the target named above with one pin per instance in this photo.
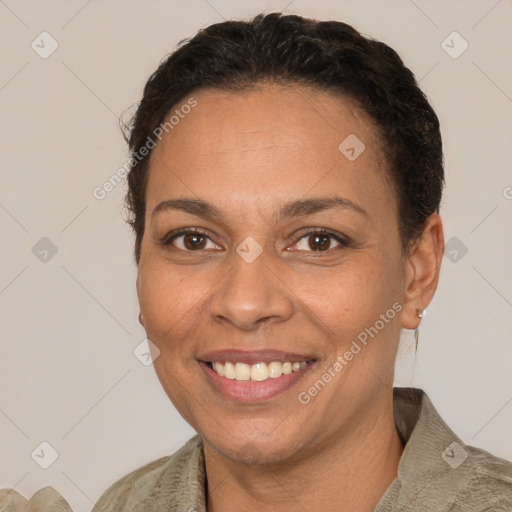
(292, 255)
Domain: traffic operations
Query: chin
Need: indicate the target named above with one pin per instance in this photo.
(251, 451)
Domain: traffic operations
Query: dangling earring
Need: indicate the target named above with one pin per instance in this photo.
(419, 313)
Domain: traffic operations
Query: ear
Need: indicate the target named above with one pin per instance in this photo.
(137, 286)
(423, 264)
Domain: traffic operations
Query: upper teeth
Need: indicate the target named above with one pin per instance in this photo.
(258, 371)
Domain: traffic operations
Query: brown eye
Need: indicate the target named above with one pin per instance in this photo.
(319, 241)
(189, 240)
(194, 241)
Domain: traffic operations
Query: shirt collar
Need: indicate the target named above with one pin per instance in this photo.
(434, 458)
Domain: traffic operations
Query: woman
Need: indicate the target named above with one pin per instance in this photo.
(285, 183)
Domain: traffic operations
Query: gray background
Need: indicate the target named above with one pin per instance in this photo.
(69, 326)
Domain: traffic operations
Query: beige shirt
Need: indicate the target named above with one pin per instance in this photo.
(437, 473)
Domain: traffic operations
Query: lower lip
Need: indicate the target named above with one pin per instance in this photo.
(249, 390)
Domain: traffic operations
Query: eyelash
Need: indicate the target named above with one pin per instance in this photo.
(341, 239)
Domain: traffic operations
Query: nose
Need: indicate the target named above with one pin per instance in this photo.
(250, 295)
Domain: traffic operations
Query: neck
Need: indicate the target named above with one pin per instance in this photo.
(343, 473)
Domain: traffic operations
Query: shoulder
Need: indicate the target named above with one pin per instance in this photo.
(438, 471)
(160, 483)
(43, 499)
(490, 484)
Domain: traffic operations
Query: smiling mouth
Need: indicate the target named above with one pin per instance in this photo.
(257, 372)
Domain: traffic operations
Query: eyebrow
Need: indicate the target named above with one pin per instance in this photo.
(298, 208)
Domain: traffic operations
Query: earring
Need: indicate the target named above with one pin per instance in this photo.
(141, 317)
(419, 313)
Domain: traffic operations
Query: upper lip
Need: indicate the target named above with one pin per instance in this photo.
(253, 356)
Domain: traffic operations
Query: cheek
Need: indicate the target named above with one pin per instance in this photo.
(347, 299)
(165, 296)
(177, 385)
(170, 302)
(174, 301)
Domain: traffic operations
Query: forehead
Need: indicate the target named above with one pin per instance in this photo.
(226, 121)
(272, 143)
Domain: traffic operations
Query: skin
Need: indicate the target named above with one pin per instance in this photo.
(248, 154)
